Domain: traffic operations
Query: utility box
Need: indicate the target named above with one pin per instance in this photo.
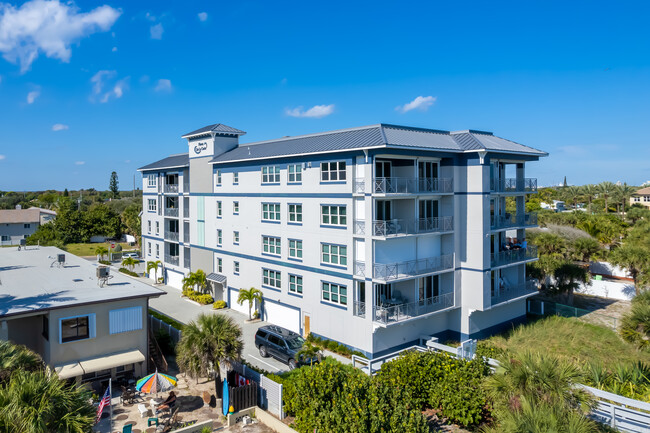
(60, 258)
(102, 272)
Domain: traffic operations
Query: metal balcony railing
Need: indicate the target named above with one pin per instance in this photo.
(395, 227)
(511, 184)
(507, 221)
(405, 185)
(508, 293)
(359, 309)
(508, 257)
(400, 312)
(412, 268)
(171, 211)
(172, 236)
(359, 269)
(172, 260)
(171, 187)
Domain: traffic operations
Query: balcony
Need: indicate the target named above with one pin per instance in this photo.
(386, 315)
(172, 260)
(510, 293)
(399, 227)
(171, 212)
(405, 185)
(509, 257)
(359, 309)
(171, 187)
(509, 221)
(511, 184)
(408, 269)
(171, 236)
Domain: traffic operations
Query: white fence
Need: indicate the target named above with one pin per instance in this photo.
(156, 324)
(270, 392)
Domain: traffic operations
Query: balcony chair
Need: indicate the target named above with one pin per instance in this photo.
(397, 297)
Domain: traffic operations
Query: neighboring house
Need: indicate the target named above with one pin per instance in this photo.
(84, 332)
(641, 197)
(557, 206)
(370, 236)
(17, 224)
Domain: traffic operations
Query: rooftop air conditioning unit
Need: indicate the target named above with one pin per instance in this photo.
(60, 258)
(102, 272)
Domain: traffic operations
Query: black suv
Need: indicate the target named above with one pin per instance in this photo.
(282, 344)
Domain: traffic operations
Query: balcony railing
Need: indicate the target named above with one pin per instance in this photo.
(508, 293)
(172, 260)
(406, 185)
(359, 309)
(397, 227)
(401, 312)
(513, 256)
(186, 262)
(171, 211)
(408, 269)
(171, 187)
(172, 236)
(507, 221)
(511, 184)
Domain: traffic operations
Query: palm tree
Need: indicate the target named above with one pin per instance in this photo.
(15, 357)
(130, 262)
(40, 402)
(208, 342)
(606, 189)
(309, 351)
(154, 266)
(634, 258)
(568, 278)
(584, 248)
(251, 295)
(625, 192)
(101, 251)
(550, 244)
(635, 324)
(589, 191)
(573, 194)
(196, 279)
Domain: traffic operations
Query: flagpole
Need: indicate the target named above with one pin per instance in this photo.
(110, 393)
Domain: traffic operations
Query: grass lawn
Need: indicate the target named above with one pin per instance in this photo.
(89, 249)
(571, 339)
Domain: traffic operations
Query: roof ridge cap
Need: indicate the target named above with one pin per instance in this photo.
(315, 134)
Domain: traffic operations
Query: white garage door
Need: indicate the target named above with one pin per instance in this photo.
(282, 316)
(235, 306)
(174, 279)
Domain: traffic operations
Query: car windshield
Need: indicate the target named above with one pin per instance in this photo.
(295, 343)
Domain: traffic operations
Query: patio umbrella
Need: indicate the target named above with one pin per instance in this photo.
(155, 383)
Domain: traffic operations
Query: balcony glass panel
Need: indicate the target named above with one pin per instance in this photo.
(172, 260)
(172, 236)
(396, 313)
(507, 293)
(513, 256)
(511, 184)
(412, 268)
(508, 220)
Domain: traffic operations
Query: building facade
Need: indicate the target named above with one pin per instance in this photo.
(371, 236)
(641, 197)
(17, 224)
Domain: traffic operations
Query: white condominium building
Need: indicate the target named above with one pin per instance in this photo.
(370, 236)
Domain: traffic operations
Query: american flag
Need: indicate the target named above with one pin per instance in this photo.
(106, 400)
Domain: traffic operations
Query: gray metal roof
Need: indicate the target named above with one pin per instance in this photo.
(30, 282)
(381, 135)
(217, 278)
(179, 160)
(217, 128)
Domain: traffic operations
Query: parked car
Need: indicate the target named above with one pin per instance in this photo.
(134, 255)
(281, 344)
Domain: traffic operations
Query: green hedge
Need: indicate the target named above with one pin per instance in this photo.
(166, 319)
(201, 298)
(127, 272)
(332, 346)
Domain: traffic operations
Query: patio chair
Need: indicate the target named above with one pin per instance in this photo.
(127, 428)
(126, 396)
(167, 404)
(170, 422)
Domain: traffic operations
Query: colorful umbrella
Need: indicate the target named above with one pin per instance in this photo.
(155, 383)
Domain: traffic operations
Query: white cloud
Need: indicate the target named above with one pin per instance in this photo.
(2, 157)
(114, 49)
(164, 85)
(157, 31)
(421, 103)
(49, 27)
(203, 16)
(101, 82)
(127, 161)
(31, 96)
(59, 127)
(80, 162)
(317, 111)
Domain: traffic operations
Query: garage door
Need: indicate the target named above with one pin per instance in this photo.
(282, 316)
(235, 306)
(174, 279)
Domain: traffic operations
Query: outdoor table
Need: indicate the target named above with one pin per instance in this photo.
(155, 402)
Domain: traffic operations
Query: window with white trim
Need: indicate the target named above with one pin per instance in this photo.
(5, 238)
(294, 173)
(295, 248)
(295, 213)
(149, 227)
(272, 278)
(334, 254)
(270, 211)
(295, 283)
(271, 245)
(218, 175)
(235, 237)
(235, 207)
(219, 265)
(151, 180)
(335, 293)
(157, 250)
(333, 215)
(271, 174)
(235, 177)
(219, 237)
(76, 328)
(235, 267)
(151, 204)
(149, 248)
(157, 227)
(332, 171)
(219, 209)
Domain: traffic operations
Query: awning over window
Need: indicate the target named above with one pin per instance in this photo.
(106, 362)
(217, 278)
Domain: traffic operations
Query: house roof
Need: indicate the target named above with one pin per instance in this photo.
(179, 160)
(22, 216)
(217, 128)
(31, 281)
(375, 136)
(643, 191)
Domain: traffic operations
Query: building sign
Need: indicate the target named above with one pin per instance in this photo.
(200, 147)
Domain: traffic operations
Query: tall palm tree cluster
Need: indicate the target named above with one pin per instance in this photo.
(619, 195)
(33, 399)
(195, 281)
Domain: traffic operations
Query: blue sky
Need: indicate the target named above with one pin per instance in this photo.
(87, 89)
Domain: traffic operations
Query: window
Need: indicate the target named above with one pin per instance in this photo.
(149, 248)
(270, 211)
(271, 245)
(235, 207)
(235, 267)
(27, 226)
(295, 213)
(332, 171)
(271, 174)
(271, 278)
(219, 209)
(220, 265)
(151, 180)
(334, 254)
(157, 227)
(333, 215)
(235, 237)
(5, 238)
(235, 177)
(157, 250)
(76, 328)
(218, 177)
(295, 283)
(219, 237)
(152, 204)
(149, 227)
(295, 173)
(295, 249)
(334, 293)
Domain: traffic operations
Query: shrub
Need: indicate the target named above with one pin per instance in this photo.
(168, 320)
(127, 272)
(201, 298)
(219, 305)
(332, 345)
(105, 262)
(165, 342)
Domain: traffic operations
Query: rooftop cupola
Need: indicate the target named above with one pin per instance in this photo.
(212, 140)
